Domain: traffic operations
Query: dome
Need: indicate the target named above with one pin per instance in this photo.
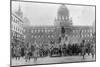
(63, 11)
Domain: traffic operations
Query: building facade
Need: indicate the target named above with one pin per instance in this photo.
(63, 31)
(17, 30)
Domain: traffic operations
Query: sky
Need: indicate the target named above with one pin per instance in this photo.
(45, 14)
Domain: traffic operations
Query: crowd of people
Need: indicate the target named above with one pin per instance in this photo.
(32, 51)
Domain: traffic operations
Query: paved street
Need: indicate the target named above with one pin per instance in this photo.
(52, 60)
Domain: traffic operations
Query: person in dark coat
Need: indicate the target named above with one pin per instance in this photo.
(83, 48)
(22, 52)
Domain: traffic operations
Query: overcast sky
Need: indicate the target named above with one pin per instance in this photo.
(45, 14)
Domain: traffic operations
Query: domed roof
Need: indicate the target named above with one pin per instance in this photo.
(63, 11)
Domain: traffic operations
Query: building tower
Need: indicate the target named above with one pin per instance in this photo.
(63, 18)
(17, 30)
(19, 12)
(63, 21)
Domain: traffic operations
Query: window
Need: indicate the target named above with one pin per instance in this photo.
(66, 18)
(45, 30)
(48, 30)
(20, 30)
(73, 31)
(15, 28)
(23, 30)
(85, 35)
(11, 26)
(32, 36)
(73, 35)
(90, 30)
(38, 36)
(41, 30)
(18, 35)
(35, 36)
(77, 36)
(48, 36)
(18, 22)
(90, 34)
(31, 31)
(35, 30)
(14, 20)
(81, 35)
(82, 31)
(38, 30)
(52, 36)
(51, 30)
(63, 17)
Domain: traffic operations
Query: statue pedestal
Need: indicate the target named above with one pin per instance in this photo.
(62, 40)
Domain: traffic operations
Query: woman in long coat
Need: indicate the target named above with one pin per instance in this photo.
(17, 52)
(35, 53)
(93, 50)
(83, 48)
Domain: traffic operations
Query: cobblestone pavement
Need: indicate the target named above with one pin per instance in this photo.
(51, 60)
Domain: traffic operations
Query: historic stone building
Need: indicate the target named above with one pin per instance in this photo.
(17, 30)
(63, 31)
